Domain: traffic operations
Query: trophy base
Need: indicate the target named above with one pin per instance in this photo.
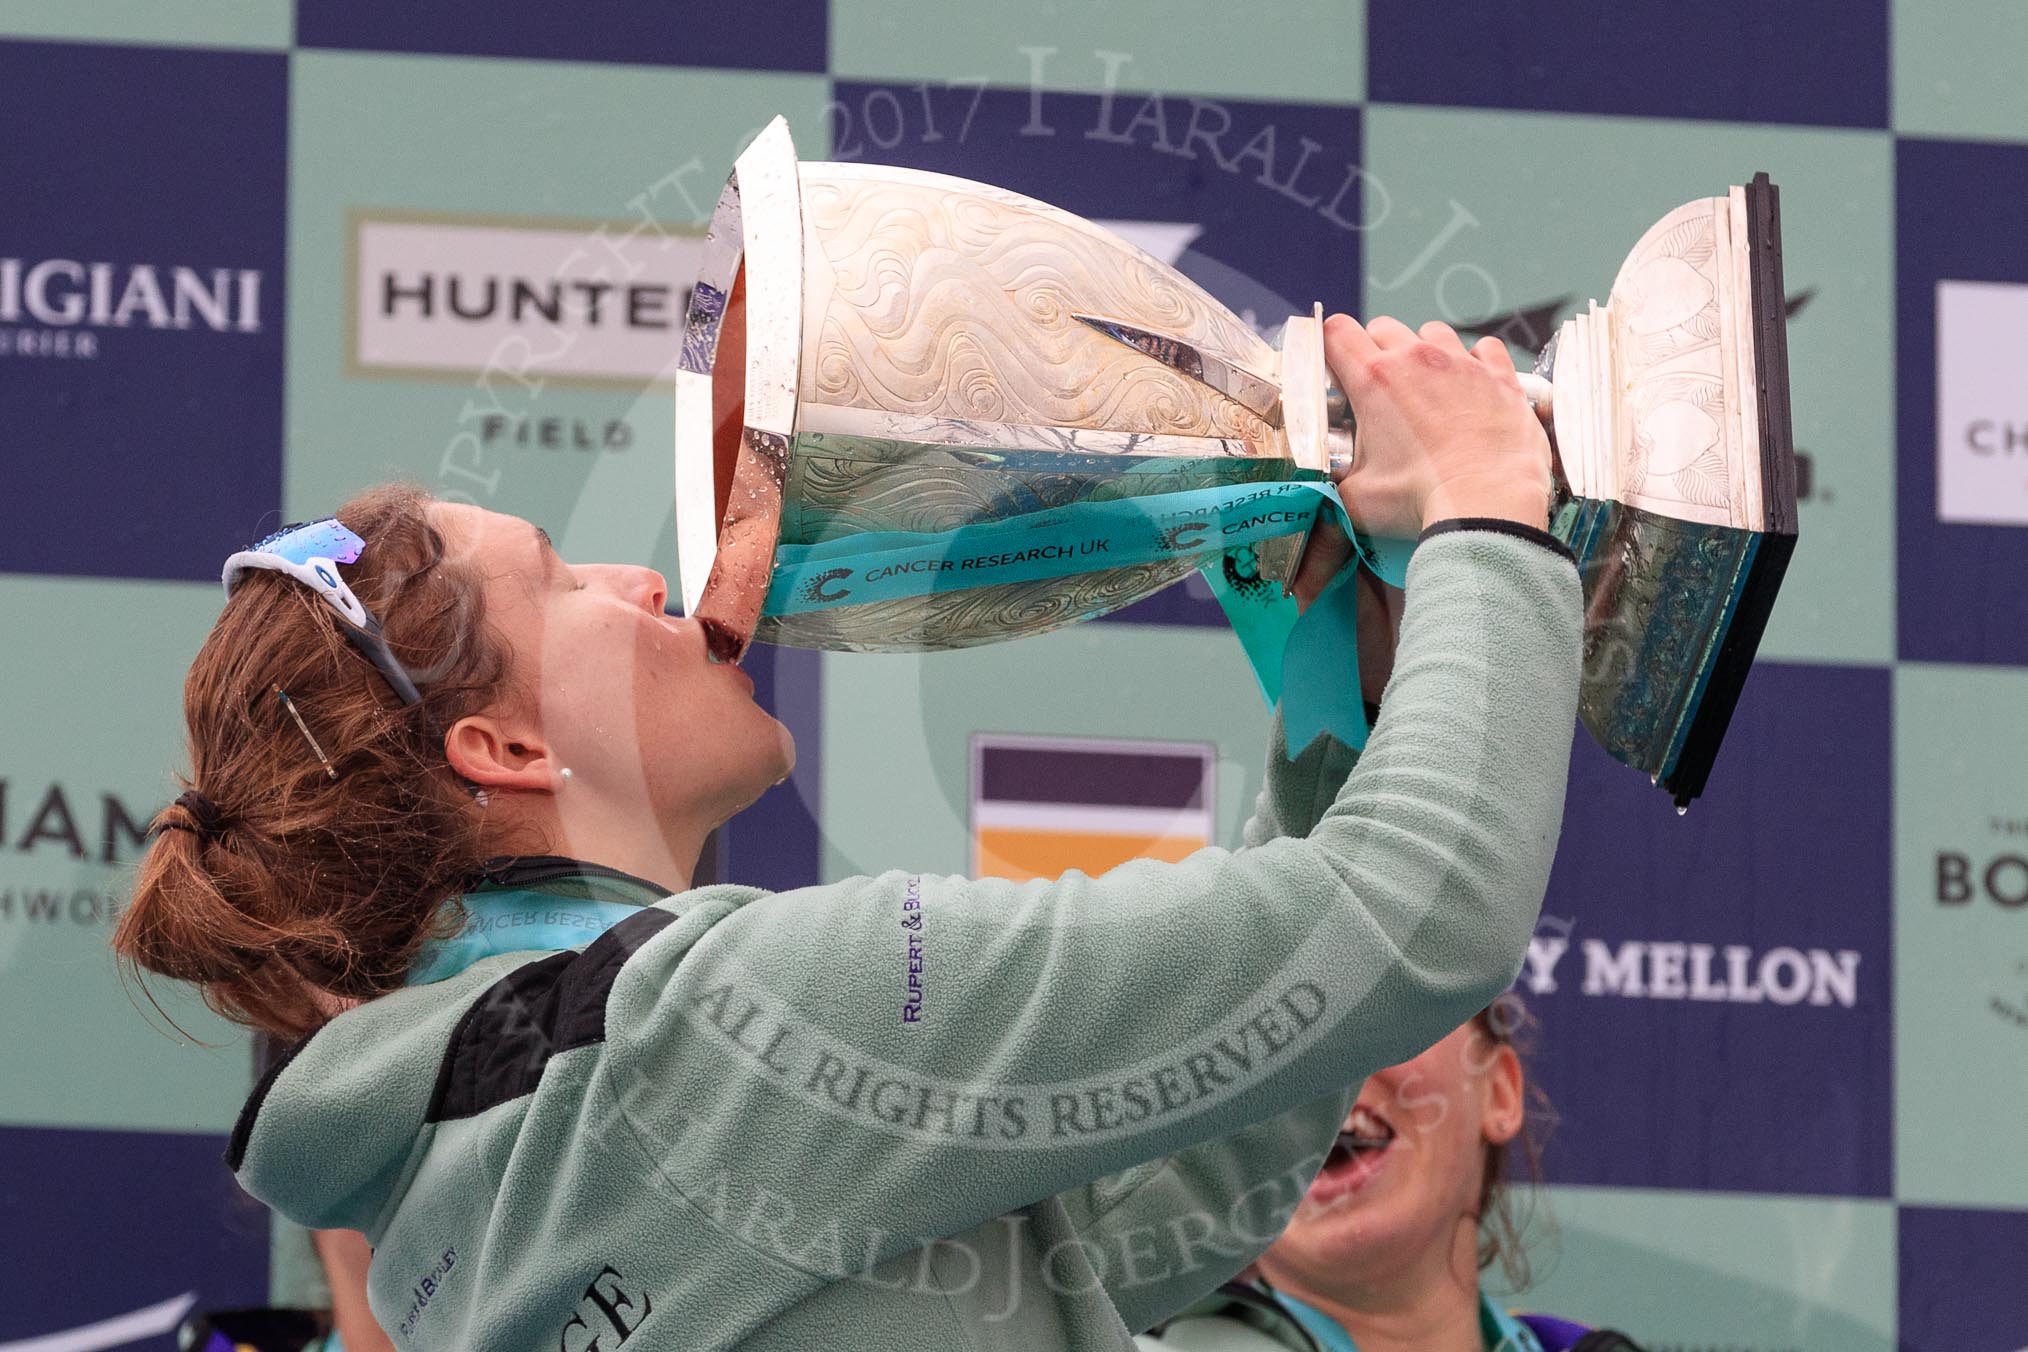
(1674, 611)
(1681, 475)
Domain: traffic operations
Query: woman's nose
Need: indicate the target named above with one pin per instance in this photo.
(653, 589)
(643, 587)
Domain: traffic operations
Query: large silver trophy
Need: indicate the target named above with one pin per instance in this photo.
(878, 355)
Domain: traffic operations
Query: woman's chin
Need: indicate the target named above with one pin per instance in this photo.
(1357, 1243)
(785, 750)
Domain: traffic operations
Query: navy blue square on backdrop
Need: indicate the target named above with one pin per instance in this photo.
(146, 1225)
(1715, 988)
(141, 286)
(1961, 1287)
(1960, 580)
(779, 35)
(1259, 203)
(1807, 61)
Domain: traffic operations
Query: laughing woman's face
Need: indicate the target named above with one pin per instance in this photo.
(1403, 1181)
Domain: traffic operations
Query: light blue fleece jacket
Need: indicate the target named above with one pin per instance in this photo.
(726, 1123)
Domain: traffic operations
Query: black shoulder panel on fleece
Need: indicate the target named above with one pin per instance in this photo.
(498, 1051)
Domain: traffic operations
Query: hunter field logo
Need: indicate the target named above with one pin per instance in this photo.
(590, 304)
(1981, 404)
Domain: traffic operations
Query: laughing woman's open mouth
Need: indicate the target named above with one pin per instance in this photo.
(1357, 1156)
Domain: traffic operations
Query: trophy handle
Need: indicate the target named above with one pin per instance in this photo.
(1338, 424)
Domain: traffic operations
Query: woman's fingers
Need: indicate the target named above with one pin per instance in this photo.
(1344, 334)
(1443, 335)
(1326, 552)
(1348, 351)
(1494, 354)
(1389, 332)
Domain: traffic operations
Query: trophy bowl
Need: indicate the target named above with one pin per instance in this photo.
(876, 356)
(871, 349)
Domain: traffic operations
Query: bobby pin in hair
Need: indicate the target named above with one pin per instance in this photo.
(290, 705)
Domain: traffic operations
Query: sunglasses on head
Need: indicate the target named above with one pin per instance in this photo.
(310, 552)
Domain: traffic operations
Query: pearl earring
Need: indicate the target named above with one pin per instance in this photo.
(565, 772)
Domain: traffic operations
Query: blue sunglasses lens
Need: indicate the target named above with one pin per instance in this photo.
(326, 539)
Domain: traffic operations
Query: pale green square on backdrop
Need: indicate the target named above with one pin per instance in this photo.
(1960, 935)
(1957, 68)
(1473, 214)
(101, 664)
(1720, 1270)
(267, 24)
(898, 729)
(517, 143)
(1298, 51)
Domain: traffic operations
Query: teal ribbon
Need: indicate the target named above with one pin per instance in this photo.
(1499, 1331)
(1308, 663)
(515, 921)
(1329, 1333)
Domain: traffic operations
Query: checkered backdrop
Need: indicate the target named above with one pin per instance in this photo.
(245, 251)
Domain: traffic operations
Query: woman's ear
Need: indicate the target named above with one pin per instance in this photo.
(1504, 1097)
(494, 755)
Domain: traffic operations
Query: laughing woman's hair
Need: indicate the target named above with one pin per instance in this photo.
(283, 885)
(1504, 1213)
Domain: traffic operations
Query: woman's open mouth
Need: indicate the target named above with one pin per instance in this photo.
(1356, 1157)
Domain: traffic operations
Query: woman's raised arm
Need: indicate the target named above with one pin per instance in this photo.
(920, 1054)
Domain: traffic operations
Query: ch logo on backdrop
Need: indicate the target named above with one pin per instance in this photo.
(1981, 403)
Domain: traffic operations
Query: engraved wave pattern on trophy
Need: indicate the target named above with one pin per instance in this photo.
(957, 304)
(940, 302)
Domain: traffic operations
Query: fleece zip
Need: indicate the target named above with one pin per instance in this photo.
(914, 1111)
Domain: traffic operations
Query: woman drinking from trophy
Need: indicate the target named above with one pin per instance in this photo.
(580, 1103)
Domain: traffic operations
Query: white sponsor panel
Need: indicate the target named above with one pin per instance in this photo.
(1982, 403)
(598, 303)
